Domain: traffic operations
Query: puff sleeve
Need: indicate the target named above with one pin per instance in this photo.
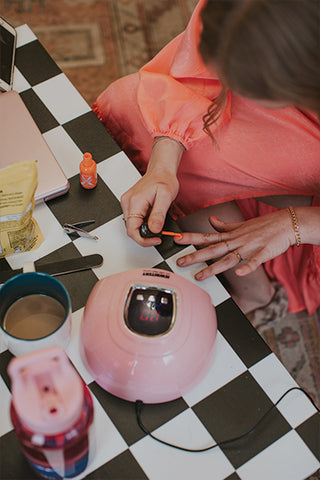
(175, 89)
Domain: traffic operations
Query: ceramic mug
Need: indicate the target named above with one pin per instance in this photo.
(35, 312)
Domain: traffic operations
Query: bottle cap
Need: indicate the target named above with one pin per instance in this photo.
(87, 158)
(47, 392)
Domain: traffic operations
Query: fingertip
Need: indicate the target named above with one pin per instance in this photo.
(214, 219)
(200, 276)
(155, 227)
(180, 262)
(242, 271)
(178, 238)
(155, 243)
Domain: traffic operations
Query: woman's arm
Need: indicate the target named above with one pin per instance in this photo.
(153, 194)
(175, 88)
(174, 91)
(309, 224)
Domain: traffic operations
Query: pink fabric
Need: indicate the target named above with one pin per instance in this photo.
(260, 151)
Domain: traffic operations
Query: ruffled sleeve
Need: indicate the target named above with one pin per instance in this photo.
(175, 89)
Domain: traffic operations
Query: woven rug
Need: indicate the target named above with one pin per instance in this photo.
(96, 42)
(296, 341)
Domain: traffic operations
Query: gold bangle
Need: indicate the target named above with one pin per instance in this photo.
(295, 225)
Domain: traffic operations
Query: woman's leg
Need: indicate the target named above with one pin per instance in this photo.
(285, 201)
(250, 292)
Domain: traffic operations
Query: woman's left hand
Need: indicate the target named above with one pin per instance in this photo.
(250, 243)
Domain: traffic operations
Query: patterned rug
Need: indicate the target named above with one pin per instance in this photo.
(96, 42)
(296, 341)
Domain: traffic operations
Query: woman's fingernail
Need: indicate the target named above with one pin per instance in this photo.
(198, 276)
(178, 236)
(180, 262)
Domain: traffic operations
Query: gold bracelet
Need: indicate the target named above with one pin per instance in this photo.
(295, 225)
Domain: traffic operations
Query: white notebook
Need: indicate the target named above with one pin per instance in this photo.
(21, 140)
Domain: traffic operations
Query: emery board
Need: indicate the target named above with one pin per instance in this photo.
(21, 140)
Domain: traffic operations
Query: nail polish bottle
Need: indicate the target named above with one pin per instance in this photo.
(88, 171)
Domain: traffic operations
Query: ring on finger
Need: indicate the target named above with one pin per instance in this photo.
(135, 215)
(238, 255)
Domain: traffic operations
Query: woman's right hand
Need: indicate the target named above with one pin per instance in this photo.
(151, 197)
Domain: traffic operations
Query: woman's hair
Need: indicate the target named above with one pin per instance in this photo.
(263, 49)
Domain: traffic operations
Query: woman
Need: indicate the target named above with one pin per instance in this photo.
(248, 72)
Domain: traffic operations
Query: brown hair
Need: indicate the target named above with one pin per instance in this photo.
(263, 49)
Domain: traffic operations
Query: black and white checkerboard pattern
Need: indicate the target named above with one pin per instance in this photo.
(245, 379)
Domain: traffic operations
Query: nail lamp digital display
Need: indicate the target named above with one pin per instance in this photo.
(148, 334)
(150, 310)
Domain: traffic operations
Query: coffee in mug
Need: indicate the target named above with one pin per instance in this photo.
(34, 316)
(35, 312)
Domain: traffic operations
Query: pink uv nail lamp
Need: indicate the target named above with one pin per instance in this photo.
(148, 334)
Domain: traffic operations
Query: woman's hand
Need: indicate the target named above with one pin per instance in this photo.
(149, 198)
(153, 194)
(250, 243)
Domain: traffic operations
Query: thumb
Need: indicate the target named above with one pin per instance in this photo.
(161, 205)
(222, 226)
(157, 217)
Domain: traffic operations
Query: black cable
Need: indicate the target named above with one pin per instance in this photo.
(139, 404)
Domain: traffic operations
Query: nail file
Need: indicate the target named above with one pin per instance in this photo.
(60, 267)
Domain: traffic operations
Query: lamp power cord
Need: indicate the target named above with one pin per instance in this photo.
(139, 405)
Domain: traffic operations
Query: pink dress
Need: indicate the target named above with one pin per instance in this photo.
(260, 151)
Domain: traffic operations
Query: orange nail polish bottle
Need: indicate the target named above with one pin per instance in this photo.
(88, 171)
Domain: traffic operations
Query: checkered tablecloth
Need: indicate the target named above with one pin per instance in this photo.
(245, 378)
